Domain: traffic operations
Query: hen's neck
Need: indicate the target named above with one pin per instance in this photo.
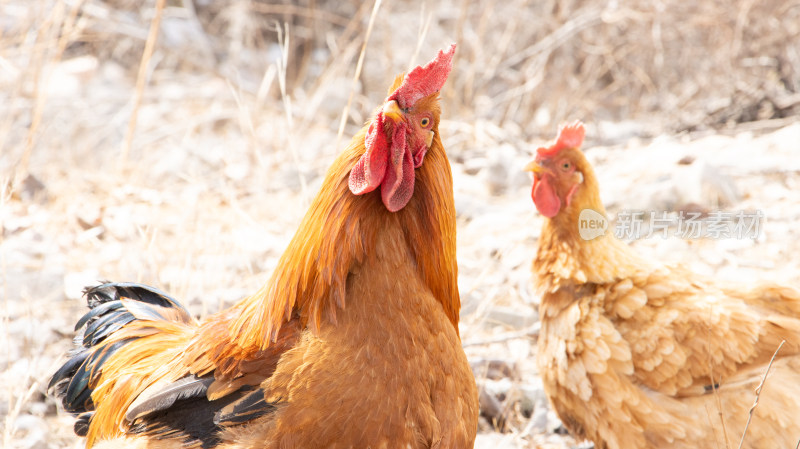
(564, 257)
(337, 233)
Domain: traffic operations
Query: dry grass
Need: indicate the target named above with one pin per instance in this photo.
(186, 163)
(758, 394)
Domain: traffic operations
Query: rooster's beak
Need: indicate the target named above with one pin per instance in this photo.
(534, 167)
(391, 110)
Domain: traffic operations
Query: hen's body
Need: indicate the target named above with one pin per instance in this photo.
(634, 354)
(353, 342)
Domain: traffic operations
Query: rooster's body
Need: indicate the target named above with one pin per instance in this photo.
(353, 342)
(634, 354)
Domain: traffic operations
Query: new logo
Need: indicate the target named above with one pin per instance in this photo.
(591, 224)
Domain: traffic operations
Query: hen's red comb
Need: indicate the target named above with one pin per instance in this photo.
(569, 136)
(423, 81)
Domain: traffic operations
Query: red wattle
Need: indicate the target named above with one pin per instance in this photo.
(545, 198)
(370, 169)
(398, 185)
(390, 167)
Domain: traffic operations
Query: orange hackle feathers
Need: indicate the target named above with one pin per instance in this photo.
(338, 231)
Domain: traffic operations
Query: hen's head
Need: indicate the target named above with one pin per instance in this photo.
(401, 133)
(562, 176)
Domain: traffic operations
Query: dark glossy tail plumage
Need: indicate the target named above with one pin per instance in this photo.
(112, 306)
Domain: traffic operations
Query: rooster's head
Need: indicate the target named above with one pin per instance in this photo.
(401, 133)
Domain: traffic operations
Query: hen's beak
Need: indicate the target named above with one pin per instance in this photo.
(391, 110)
(534, 167)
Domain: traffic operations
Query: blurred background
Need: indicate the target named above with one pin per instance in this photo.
(178, 143)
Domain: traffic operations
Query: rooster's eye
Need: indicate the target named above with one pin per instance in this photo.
(424, 122)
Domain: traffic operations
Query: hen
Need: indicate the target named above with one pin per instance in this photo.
(635, 354)
(352, 343)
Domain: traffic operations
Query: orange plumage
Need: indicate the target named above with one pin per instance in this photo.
(635, 354)
(353, 342)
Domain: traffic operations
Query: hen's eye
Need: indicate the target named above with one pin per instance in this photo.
(424, 122)
(565, 165)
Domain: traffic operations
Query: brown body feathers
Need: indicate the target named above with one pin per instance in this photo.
(634, 354)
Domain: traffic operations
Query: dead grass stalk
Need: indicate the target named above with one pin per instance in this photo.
(758, 394)
(141, 79)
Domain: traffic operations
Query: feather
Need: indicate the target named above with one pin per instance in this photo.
(99, 294)
(137, 292)
(95, 362)
(103, 328)
(81, 402)
(105, 325)
(152, 312)
(81, 426)
(78, 386)
(249, 407)
(97, 311)
(190, 421)
(185, 388)
(69, 368)
(79, 371)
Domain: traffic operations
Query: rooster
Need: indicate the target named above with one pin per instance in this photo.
(352, 343)
(635, 354)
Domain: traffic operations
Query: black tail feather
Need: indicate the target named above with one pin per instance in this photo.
(112, 291)
(69, 368)
(81, 427)
(188, 387)
(97, 311)
(112, 306)
(248, 407)
(99, 357)
(101, 328)
(197, 419)
(77, 388)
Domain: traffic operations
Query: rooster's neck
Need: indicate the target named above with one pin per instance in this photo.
(337, 233)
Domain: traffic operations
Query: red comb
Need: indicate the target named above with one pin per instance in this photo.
(423, 81)
(569, 136)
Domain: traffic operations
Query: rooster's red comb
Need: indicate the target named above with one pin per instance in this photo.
(569, 136)
(423, 81)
